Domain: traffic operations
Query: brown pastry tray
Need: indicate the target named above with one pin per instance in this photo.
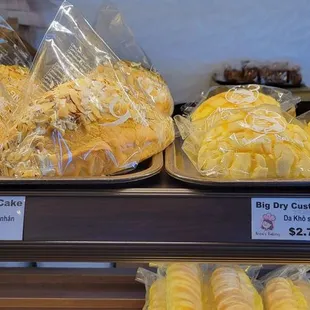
(144, 170)
(180, 167)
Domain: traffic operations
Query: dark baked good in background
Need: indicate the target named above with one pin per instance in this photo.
(233, 75)
(294, 76)
(275, 73)
(251, 74)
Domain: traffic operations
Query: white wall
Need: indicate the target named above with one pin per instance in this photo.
(185, 38)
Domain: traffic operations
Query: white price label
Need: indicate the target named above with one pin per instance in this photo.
(281, 218)
(12, 210)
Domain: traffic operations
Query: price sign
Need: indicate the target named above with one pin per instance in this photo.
(281, 218)
(12, 211)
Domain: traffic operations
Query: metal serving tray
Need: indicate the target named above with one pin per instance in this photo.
(180, 167)
(144, 170)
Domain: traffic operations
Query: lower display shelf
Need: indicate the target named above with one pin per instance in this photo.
(70, 289)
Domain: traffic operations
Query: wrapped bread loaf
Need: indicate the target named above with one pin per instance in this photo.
(281, 294)
(148, 83)
(155, 286)
(85, 127)
(184, 286)
(84, 113)
(231, 288)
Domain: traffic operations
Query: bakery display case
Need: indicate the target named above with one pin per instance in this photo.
(94, 167)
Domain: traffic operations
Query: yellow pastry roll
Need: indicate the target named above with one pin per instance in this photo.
(184, 287)
(231, 289)
(282, 294)
(157, 295)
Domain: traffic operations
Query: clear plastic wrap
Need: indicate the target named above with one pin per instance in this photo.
(230, 287)
(142, 76)
(112, 28)
(305, 119)
(246, 143)
(155, 286)
(241, 96)
(15, 60)
(286, 288)
(82, 116)
(12, 49)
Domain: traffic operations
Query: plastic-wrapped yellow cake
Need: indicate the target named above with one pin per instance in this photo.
(85, 127)
(256, 143)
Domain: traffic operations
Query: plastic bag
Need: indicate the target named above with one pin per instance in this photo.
(230, 286)
(305, 119)
(12, 49)
(155, 286)
(82, 118)
(241, 96)
(287, 288)
(110, 25)
(112, 28)
(15, 61)
(247, 144)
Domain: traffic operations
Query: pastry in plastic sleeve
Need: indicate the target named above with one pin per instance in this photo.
(155, 286)
(242, 96)
(304, 286)
(82, 117)
(142, 76)
(281, 293)
(286, 288)
(229, 287)
(184, 286)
